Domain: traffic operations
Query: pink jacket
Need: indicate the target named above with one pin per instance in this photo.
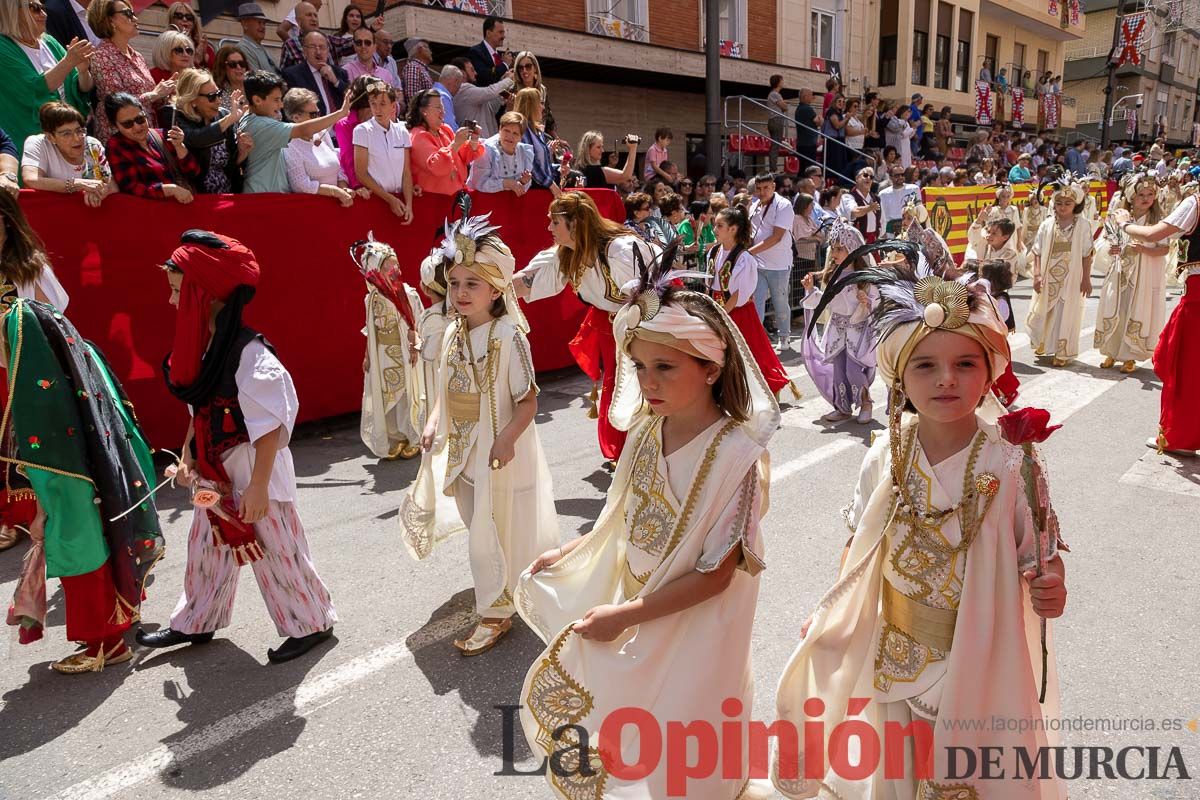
(435, 167)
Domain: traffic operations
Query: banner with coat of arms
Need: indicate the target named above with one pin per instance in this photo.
(1018, 107)
(983, 103)
(1052, 8)
(1050, 109)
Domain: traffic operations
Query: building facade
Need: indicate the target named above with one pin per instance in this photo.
(1156, 96)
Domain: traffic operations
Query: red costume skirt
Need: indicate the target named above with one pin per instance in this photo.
(1177, 364)
(595, 351)
(746, 318)
(91, 605)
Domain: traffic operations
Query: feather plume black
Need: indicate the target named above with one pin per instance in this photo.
(840, 280)
(657, 275)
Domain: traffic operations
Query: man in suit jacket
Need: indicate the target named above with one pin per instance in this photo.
(492, 62)
(328, 81)
(67, 20)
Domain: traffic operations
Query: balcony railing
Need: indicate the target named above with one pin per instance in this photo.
(495, 8)
(616, 27)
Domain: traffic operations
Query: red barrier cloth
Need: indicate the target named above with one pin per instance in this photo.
(309, 301)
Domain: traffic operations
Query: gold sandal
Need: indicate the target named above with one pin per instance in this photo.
(1059, 362)
(1129, 366)
(1108, 363)
(484, 637)
(82, 662)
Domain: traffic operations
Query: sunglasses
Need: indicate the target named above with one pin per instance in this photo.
(235, 65)
(363, 43)
(37, 8)
(181, 50)
(211, 97)
(127, 13)
(182, 15)
(525, 66)
(130, 124)
(685, 183)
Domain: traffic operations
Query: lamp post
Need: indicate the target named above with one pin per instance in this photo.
(712, 86)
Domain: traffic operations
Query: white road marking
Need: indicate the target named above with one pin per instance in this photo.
(1165, 473)
(311, 695)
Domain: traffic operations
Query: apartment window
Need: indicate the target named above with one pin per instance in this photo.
(888, 42)
(1168, 49)
(941, 54)
(962, 56)
(1018, 62)
(920, 56)
(821, 35)
(1043, 63)
(733, 20)
(624, 19)
(990, 49)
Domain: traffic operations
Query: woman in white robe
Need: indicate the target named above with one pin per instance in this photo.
(675, 527)
(1061, 259)
(930, 622)
(1133, 299)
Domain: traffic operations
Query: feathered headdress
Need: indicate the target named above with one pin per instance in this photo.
(377, 262)
(1062, 182)
(655, 282)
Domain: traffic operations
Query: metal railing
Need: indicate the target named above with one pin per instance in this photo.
(606, 24)
(759, 127)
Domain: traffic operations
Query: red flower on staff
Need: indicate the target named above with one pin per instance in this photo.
(1027, 425)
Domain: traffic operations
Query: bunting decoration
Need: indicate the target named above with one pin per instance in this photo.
(1073, 5)
(983, 103)
(1050, 109)
(1130, 121)
(1018, 107)
(1132, 41)
(1052, 8)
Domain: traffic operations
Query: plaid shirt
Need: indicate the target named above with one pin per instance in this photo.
(414, 78)
(141, 172)
(293, 52)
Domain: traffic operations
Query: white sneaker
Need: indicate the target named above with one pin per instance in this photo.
(864, 414)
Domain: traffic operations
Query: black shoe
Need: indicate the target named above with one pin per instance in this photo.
(165, 637)
(294, 647)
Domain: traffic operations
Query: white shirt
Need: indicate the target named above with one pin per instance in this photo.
(846, 208)
(310, 164)
(81, 12)
(742, 281)
(268, 401)
(386, 152)
(42, 59)
(598, 287)
(1185, 217)
(893, 200)
(320, 79)
(40, 152)
(764, 219)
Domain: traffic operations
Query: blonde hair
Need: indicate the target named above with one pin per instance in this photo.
(197, 34)
(168, 40)
(585, 144)
(187, 89)
(593, 233)
(528, 102)
(99, 17)
(16, 21)
(516, 73)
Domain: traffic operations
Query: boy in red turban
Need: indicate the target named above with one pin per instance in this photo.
(236, 457)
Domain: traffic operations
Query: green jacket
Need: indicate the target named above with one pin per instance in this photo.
(23, 90)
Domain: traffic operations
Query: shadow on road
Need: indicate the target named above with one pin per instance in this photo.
(222, 680)
(482, 682)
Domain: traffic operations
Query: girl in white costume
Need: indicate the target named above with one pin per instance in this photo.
(654, 607)
(390, 394)
(431, 330)
(483, 419)
(1032, 215)
(931, 621)
(1061, 261)
(1133, 300)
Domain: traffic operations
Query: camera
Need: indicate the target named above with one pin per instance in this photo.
(631, 138)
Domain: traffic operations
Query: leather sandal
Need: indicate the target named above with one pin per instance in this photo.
(484, 637)
(82, 662)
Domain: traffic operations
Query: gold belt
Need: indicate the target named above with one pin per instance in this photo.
(464, 406)
(932, 627)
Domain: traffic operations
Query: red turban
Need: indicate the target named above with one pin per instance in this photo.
(213, 267)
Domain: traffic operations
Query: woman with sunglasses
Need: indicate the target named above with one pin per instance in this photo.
(528, 75)
(117, 66)
(230, 68)
(35, 69)
(146, 162)
(312, 163)
(184, 19)
(173, 53)
(209, 132)
(63, 158)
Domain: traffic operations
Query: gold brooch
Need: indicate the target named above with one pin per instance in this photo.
(987, 484)
(946, 302)
(649, 303)
(464, 249)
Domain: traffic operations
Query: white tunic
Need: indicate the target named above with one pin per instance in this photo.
(602, 285)
(743, 279)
